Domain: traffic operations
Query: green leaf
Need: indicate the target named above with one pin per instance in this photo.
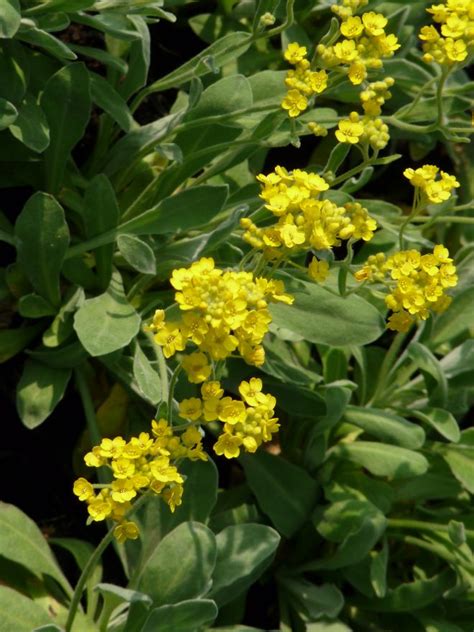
(243, 553)
(138, 142)
(386, 426)
(378, 570)
(356, 524)
(327, 626)
(51, 44)
(42, 240)
(146, 377)
(382, 459)
(101, 214)
(285, 492)
(223, 97)
(39, 391)
(67, 356)
(137, 253)
(455, 320)
(461, 462)
(31, 127)
(22, 542)
(124, 594)
(431, 367)
(322, 317)
(35, 306)
(107, 322)
(314, 601)
(181, 566)
(104, 95)
(8, 113)
(186, 210)
(441, 420)
(185, 616)
(105, 58)
(19, 613)
(66, 103)
(412, 596)
(228, 48)
(10, 18)
(139, 52)
(408, 75)
(12, 341)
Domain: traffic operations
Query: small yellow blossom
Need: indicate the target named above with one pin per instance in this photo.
(228, 446)
(126, 531)
(295, 53)
(295, 103)
(83, 489)
(349, 132)
(318, 270)
(197, 367)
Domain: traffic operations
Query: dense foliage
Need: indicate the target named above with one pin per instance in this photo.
(256, 273)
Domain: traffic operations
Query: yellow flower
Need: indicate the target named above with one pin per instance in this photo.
(83, 489)
(228, 446)
(123, 468)
(374, 23)
(161, 428)
(352, 27)
(112, 448)
(212, 390)
(191, 408)
(197, 367)
(400, 321)
(295, 103)
(123, 491)
(295, 53)
(99, 509)
(251, 391)
(357, 73)
(318, 270)
(231, 411)
(173, 497)
(126, 531)
(171, 339)
(349, 132)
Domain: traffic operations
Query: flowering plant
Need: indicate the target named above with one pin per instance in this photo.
(255, 274)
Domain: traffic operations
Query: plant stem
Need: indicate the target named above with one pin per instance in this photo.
(88, 568)
(91, 564)
(174, 379)
(162, 368)
(423, 526)
(386, 367)
(88, 406)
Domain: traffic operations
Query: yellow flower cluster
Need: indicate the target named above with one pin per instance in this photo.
(302, 82)
(345, 8)
(248, 421)
(367, 130)
(363, 46)
(303, 220)
(424, 179)
(223, 311)
(417, 283)
(375, 95)
(143, 463)
(454, 42)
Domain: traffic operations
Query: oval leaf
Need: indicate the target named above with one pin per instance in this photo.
(322, 317)
(38, 392)
(181, 566)
(384, 460)
(107, 322)
(137, 253)
(386, 426)
(441, 420)
(42, 240)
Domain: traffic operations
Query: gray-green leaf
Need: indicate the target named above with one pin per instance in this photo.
(107, 322)
(42, 240)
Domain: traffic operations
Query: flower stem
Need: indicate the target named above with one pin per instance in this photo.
(174, 379)
(90, 565)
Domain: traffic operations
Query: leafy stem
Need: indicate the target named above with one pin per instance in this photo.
(91, 564)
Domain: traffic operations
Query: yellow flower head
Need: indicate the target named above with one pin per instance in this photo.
(426, 180)
(83, 489)
(126, 531)
(197, 367)
(349, 131)
(295, 53)
(228, 445)
(295, 103)
(191, 408)
(318, 270)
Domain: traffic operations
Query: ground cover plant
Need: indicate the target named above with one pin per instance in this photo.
(236, 325)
